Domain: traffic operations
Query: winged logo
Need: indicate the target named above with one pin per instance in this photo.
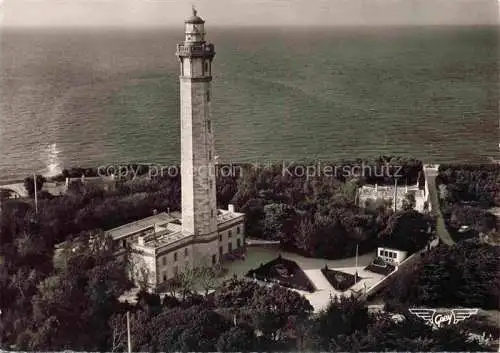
(443, 317)
(425, 314)
(462, 314)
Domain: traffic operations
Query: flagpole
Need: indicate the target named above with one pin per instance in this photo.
(395, 195)
(356, 257)
(36, 196)
(128, 333)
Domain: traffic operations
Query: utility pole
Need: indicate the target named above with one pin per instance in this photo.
(356, 273)
(128, 333)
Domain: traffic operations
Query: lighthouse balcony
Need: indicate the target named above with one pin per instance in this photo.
(202, 50)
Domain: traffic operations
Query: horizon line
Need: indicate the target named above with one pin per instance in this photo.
(256, 27)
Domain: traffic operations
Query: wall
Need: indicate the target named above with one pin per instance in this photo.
(166, 262)
(225, 240)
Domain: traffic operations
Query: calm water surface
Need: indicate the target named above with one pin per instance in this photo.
(92, 97)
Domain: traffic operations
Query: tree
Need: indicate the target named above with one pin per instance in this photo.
(305, 235)
(141, 272)
(343, 316)
(279, 222)
(237, 339)
(208, 277)
(407, 231)
(118, 325)
(469, 268)
(30, 185)
(192, 329)
(409, 201)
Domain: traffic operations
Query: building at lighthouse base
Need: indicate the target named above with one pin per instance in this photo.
(156, 249)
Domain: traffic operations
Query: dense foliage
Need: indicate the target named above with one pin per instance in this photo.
(318, 216)
(69, 299)
(466, 194)
(464, 275)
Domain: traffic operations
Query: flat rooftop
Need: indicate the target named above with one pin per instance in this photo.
(224, 216)
(141, 225)
(164, 228)
(170, 233)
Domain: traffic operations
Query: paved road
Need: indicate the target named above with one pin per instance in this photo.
(442, 232)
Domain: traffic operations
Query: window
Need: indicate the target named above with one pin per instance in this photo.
(214, 259)
(210, 155)
(124, 243)
(186, 252)
(220, 237)
(206, 67)
(229, 247)
(238, 243)
(164, 260)
(238, 230)
(229, 234)
(176, 270)
(212, 213)
(208, 96)
(209, 126)
(175, 256)
(164, 277)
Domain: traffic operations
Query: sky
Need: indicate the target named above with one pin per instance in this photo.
(140, 13)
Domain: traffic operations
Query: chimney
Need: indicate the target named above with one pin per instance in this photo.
(376, 188)
(155, 212)
(230, 208)
(67, 183)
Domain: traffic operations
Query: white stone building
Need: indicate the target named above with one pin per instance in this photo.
(392, 256)
(395, 194)
(159, 249)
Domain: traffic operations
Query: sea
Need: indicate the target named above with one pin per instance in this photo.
(90, 97)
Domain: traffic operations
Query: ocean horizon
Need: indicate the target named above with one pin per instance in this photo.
(90, 97)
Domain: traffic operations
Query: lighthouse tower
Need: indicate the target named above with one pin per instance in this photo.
(199, 205)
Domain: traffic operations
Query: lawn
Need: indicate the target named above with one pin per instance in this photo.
(341, 281)
(284, 272)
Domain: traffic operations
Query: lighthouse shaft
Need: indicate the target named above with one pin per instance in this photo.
(199, 205)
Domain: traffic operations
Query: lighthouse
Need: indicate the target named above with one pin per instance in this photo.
(199, 205)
